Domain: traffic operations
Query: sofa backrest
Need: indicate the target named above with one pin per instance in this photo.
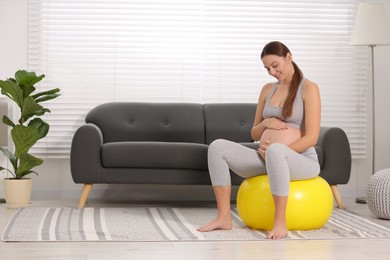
(231, 121)
(136, 121)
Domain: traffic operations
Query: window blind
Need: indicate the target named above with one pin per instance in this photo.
(200, 51)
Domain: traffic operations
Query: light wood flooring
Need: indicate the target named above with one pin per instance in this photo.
(354, 249)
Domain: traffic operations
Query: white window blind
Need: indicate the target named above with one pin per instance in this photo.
(191, 51)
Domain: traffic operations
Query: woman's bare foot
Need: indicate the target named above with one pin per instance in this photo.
(279, 231)
(217, 224)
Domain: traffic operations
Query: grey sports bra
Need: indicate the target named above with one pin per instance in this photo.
(297, 118)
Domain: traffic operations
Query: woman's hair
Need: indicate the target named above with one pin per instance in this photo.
(281, 50)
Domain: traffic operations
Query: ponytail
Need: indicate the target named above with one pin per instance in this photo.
(292, 92)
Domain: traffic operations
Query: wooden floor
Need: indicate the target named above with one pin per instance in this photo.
(352, 249)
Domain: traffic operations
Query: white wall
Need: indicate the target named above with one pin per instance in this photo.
(55, 178)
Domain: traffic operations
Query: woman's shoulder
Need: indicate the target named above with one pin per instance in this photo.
(267, 88)
(310, 87)
(269, 85)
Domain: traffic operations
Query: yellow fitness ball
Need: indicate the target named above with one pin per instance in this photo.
(309, 205)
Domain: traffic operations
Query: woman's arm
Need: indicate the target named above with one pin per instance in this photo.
(312, 107)
(260, 124)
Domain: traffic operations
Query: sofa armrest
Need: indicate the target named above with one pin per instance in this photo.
(85, 155)
(337, 159)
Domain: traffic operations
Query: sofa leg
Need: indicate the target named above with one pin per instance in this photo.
(84, 195)
(337, 197)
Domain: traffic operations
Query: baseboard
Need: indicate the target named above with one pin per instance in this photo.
(135, 193)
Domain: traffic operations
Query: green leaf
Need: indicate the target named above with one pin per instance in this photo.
(25, 78)
(27, 90)
(37, 113)
(26, 173)
(26, 81)
(11, 157)
(12, 90)
(8, 121)
(46, 95)
(5, 169)
(30, 108)
(24, 138)
(27, 162)
(42, 126)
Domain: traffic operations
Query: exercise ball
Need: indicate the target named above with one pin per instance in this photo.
(309, 205)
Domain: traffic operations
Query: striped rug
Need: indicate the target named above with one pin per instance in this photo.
(162, 224)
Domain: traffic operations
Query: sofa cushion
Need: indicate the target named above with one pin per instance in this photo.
(232, 121)
(163, 155)
(253, 145)
(158, 122)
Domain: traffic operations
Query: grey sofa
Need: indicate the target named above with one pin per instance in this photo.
(166, 143)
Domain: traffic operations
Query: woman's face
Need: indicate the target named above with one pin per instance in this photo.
(278, 67)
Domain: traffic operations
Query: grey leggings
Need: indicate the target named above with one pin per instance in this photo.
(282, 164)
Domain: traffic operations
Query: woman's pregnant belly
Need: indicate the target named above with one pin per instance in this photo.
(286, 136)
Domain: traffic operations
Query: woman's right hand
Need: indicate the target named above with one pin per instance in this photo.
(263, 148)
(275, 123)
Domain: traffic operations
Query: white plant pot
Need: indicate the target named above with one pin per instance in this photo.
(17, 192)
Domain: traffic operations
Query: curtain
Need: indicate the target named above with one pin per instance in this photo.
(199, 51)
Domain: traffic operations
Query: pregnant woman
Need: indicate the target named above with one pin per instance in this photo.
(287, 126)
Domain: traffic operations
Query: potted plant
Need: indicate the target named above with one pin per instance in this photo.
(24, 133)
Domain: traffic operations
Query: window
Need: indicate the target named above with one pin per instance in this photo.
(191, 51)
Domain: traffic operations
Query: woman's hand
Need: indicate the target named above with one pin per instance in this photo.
(263, 148)
(275, 123)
